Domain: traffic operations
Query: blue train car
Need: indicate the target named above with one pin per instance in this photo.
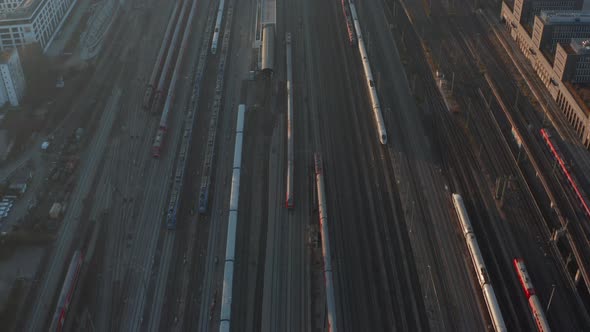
(203, 199)
(171, 219)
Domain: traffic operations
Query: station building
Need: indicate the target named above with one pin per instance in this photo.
(24, 22)
(12, 82)
(565, 71)
(552, 27)
(572, 61)
(526, 10)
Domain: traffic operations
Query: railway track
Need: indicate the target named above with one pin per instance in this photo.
(536, 87)
(390, 279)
(567, 203)
(494, 153)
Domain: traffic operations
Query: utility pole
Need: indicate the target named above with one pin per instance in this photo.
(550, 299)
(503, 190)
(412, 216)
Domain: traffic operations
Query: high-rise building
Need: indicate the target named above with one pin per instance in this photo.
(553, 27)
(12, 83)
(31, 21)
(561, 71)
(572, 61)
(526, 10)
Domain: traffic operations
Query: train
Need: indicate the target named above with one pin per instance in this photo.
(67, 291)
(160, 89)
(203, 199)
(268, 49)
(215, 39)
(289, 199)
(171, 217)
(479, 265)
(571, 178)
(323, 214)
(161, 132)
(532, 298)
(158, 140)
(375, 105)
(232, 225)
(348, 20)
(148, 95)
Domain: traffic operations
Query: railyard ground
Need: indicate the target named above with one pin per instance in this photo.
(46, 113)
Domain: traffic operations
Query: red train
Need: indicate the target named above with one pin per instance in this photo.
(349, 26)
(67, 291)
(529, 290)
(158, 140)
(573, 182)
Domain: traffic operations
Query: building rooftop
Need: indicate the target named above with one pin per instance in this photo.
(579, 46)
(565, 17)
(23, 11)
(568, 48)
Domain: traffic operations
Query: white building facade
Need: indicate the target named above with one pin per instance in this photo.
(25, 22)
(9, 5)
(12, 85)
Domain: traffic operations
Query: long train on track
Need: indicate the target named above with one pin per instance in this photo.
(67, 291)
(375, 105)
(168, 62)
(571, 178)
(531, 295)
(289, 199)
(478, 264)
(163, 125)
(232, 225)
(348, 19)
(323, 214)
(158, 66)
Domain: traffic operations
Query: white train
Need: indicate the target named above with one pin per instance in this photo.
(375, 106)
(217, 27)
(533, 299)
(268, 49)
(232, 225)
(328, 276)
(479, 265)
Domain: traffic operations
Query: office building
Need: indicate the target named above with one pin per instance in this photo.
(12, 83)
(32, 21)
(572, 61)
(562, 71)
(552, 27)
(526, 10)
